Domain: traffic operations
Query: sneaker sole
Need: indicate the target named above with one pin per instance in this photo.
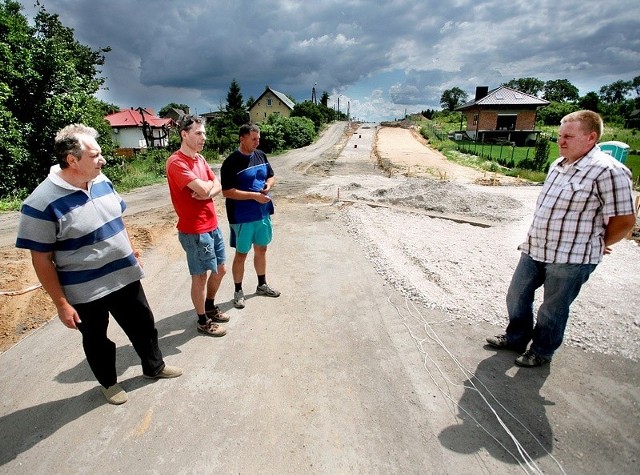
(264, 294)
(218, 320)
(162, 376)
(238, 305)
(506, 347)
(524, 365)
(211, 334)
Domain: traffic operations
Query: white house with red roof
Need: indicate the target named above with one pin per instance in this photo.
(139, 128)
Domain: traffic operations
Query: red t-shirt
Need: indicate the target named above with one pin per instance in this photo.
(194, 216)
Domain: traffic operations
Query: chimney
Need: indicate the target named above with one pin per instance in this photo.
(481, 91)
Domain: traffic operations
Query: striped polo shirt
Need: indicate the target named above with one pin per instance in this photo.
(85, 232)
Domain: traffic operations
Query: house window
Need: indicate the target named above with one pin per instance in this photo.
(475, 119)
(506, 122)
(269, 102)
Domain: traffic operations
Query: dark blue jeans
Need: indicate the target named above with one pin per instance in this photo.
(562, 284)
(130, 309)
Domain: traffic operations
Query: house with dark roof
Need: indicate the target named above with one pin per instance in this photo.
(633, 120)
(139, 128)
(207, 116)
(270, 102)
(502, 115)
(176, 114)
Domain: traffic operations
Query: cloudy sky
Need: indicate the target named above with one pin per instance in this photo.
(380, 58)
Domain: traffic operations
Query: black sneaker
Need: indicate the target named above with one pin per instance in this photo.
(529, 359)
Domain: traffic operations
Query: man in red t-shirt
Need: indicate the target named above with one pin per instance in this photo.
(192, 185)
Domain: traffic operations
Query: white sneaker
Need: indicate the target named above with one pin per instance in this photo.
(238, 299)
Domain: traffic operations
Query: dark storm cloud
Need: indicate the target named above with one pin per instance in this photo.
(176, 51)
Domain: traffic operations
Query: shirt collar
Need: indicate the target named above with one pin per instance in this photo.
(582, 161)
(54, 176)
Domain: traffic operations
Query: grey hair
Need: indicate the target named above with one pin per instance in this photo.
(68, 141)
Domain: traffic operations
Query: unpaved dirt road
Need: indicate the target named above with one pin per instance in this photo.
(343, 373)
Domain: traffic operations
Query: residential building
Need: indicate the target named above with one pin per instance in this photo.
(139, 128)
(502, 115)
(270, 102)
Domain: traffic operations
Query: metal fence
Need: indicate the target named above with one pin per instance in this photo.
(501, 153)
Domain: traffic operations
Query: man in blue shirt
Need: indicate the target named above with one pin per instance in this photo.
(247, 178)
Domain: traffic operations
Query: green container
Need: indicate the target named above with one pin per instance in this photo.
(618, 150)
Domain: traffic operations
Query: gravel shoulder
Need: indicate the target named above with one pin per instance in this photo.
(451, 244)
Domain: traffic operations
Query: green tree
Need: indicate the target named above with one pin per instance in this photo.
(560, 90)
(539, 161)
(271, 137)
(296, 132)
(452, 98)
(222, 132)
(555, 111)
(48, 80)
(235, 108)
(616, 92)
(172, 105)
(531, 86)
(311, 111)
(635, 84)
(614, 101)
(590, 101)
(324, 99)
(222, 136)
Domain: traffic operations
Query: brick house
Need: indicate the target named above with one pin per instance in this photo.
(270, 102)
(502, 115)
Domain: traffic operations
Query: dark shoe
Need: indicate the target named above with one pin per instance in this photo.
(501, 342)
(167, 372)
(529, 359)
(114, 394)
(267, 291)
(238, 299)
(216, 315)
(211, 328)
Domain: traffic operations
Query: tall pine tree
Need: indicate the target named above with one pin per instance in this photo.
(236, 110)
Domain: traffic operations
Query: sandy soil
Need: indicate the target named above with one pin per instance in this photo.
(25, 306)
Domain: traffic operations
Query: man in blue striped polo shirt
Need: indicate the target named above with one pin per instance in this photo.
(72, 224)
